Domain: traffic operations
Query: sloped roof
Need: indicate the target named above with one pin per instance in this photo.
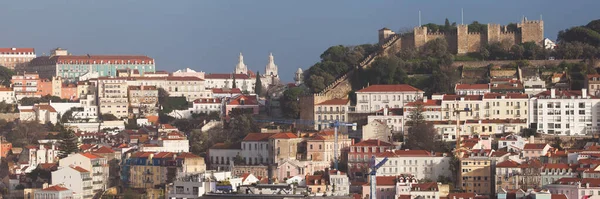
(222, 145)
(508, 164)
(55, 188)
(286, 135)
(81, 170)
(537, 146)
(186, 155)
(390, 88)
(91, 155)
(466, 97)
(431, 186)
(104, 149)
(373, 142)
(248, 100)
(335, 102)
(472, 86)
(428, 103)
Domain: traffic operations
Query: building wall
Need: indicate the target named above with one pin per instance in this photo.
(78, 182)
(326, 114)
(475, 175)
(375, 101)
(113, 99)
(12, 60)
(421, 167)
(255, 152)
(507, 178)
(581, 121)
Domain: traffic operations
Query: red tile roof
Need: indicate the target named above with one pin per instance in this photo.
(227, 76)
(390, 88)
(506, 96)
(562, 93)
(287, 135)
(16, 50)
(461, 195)
(186, 155)
(82, 170)
(335, 102)
(534, 146)
(5, 89)
(428, 103)
(45, 107)
(248, 100)
(48, 166)
(508, 164)
(386, 180)
(556, 166)
(472, 86)
(372, 142)
(104, 150)
(91, 155)
(85, 147)
(55, 188)
(431, 186)
(558, 196)
(222, 145)
(404, 153)
(310, 180)
(258, 136)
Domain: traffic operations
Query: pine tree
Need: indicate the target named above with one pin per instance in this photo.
(258, 84)
(68, 143)
(233, 85)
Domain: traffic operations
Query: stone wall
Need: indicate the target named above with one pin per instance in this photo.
(478, 64)
(503, 73)
(9, 116)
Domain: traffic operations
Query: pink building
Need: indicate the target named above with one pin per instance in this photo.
(386, 187)
(576, 188)
(249, 102)
(535, 150)
(69, 92)
(360, 154)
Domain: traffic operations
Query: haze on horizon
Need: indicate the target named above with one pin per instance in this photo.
(208, 35)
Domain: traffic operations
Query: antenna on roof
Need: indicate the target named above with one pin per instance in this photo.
(462, 17)
(419, 18)
(540, 17)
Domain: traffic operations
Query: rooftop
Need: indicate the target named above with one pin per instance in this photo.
(335, 102)
(390, 88)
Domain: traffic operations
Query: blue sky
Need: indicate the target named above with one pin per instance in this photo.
(208, 35)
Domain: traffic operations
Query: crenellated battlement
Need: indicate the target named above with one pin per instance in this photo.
(532, 21)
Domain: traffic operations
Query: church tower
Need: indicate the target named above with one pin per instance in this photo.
(241, 68)
(271, 68)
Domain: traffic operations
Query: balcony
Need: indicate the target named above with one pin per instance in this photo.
(517, 115)
(97, 182)
(148, 173)
(517, 107)
(476, 108)
(363, 101)
(446, 117)
(486, 107)
(86, 179)
(97, 174)
(386, 101)
(486, 115)
(445, 109)
(88, 187)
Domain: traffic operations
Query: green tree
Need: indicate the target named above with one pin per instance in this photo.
(109, 117)
(25, 133)
(516, 52)
(233, 84)
(66, 117)
(579, 34)
(258, 85)
(477, 27)
(385, 70)
(132, 124)
(289, 102)
(68, 143)
(240, 124)
(5, 76)
(447, 25)
(594, 25)
(421, 134)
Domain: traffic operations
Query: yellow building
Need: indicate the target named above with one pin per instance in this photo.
(148, 170)
(475, 172)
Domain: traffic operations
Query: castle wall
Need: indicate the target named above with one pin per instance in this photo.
(474, 42)
(532, 31)
(420, 36)
(452, 40)
(462, 40)
(480, 64)
(408, 42)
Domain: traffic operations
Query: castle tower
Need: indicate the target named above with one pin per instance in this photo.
(271, 68)
(462, 39)
(420, 36)
(241, 68)
(532, 30)
(385, 33)
(299, 76)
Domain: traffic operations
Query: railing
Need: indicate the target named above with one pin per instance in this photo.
(88, 187)
(517, 107)
(86, 179)
(363, 101)
(97, 174)
(97, 182)
(386, 101)
(486, 115)
(517, 115)
(487, 107)
(445, 109)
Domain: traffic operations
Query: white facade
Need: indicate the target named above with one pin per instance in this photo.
(549, 44)
(534, 85)
(76, 179)
(512, 142)
(221, 158)
(255, 152)
(421, 164)
(565, 112)
(377, 97)
(7, 95)
(32, 156)
(341, 183)
(97, 165)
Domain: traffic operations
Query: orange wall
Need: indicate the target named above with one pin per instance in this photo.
(69, 93)
(44, 88)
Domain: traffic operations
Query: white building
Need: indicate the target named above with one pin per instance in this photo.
(419, 163)
(534, 85)
(221, 156)
(330, 111)
(377, 97)
(255, 148)
(471, 89)
(34, 155)
(7, 95)
(549, 44)
(392, 117)
(340, 181)
(512, 142)
(564, 112)
(54, 192)
(202, 105)
(76, 179)
(96, 164)
(174, 142)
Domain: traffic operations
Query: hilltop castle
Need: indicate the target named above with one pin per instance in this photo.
(462, 41)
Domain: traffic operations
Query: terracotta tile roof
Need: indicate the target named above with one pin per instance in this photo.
(428, 103)
(310, 180)
(85, 147)
(248, 100)
(390, 88)
(257, 137)
(532, 163)
(404, 153)
(508, 164)
(404, 197)
(386, 180)
(287, 135)
(167, 126)
(186, 155)
(534, 146)
(556, 166)
(558, 196)
(6, 89)
(55, 188)
(16, 50)
(26, 110)
(45, 107)
(103, 150)
(82, 170)
(222, 145)
(48, 166)
(91, 155)
(335, 102)
(466, 97)
(244, 176)
(472, 86)
(506, 96)
(372, 142)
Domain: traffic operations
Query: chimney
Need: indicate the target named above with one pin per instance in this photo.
(378, 142)
(424, 99)
(385, 111)
(584, 93)
(531, 139)
(552, 93)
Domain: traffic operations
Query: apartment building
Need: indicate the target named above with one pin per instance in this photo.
(576, 187)
(512, 142)
(32, 156)
(452, 103)
(565, 112)
(508, 175)
(14, 58)
(419, 163)
(471, 89)
(255, 148)
(207, 105)
(283, 146)
(93, 163)
(592, 84)
(76, 179)
(447, 129)
(221, 155)
(112, 98)
(321, 146)
(392, 117)
(377, 97)
(147, 169)
(55, 191)
(360, 154)
(143, 100)
(535, 150)
(30, 85)
(247, 102)
(330, 111)
(475, 172)
(71, 67)
(7, 95)
(555, 171)
(431, 109)
(168, 142)
(505, 106)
